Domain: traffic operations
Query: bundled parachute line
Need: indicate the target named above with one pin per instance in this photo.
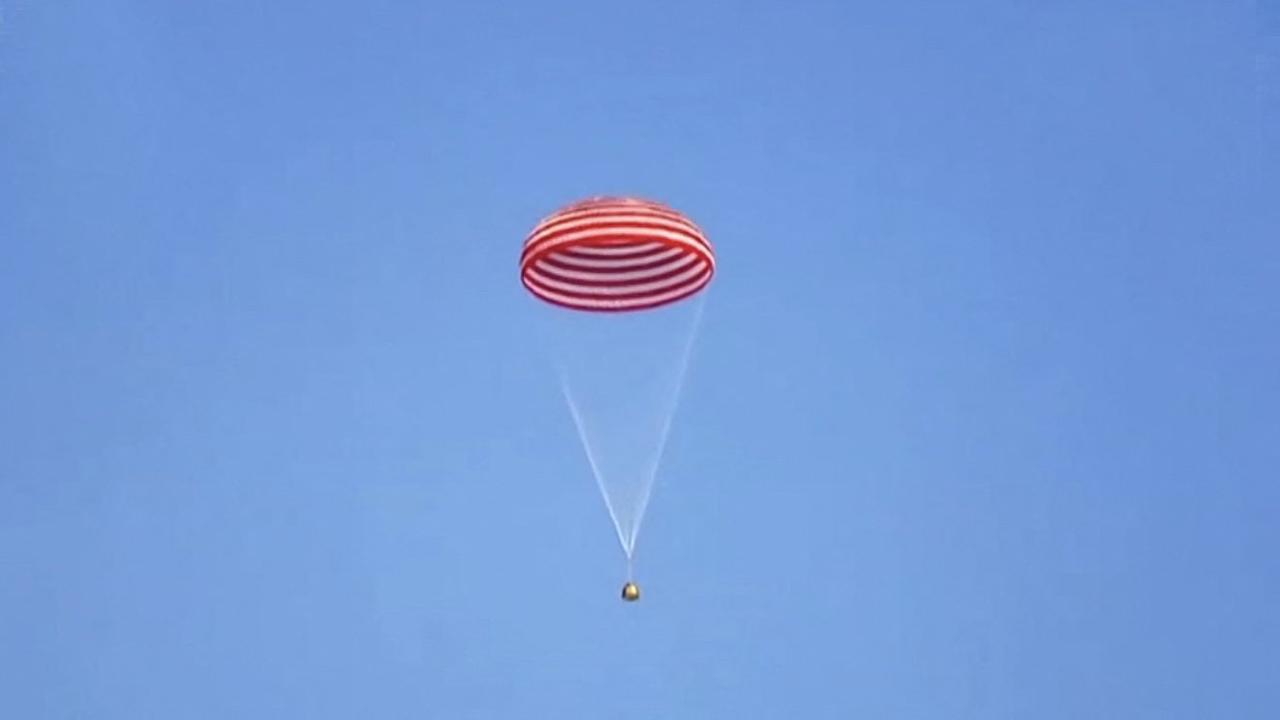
(625, 451)
(619, 276)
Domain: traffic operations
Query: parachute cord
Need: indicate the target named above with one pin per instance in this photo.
(627, 539)
(674, 402)
(591, 459)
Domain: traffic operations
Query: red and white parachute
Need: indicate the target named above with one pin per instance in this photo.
(626, 265)
(616, 254)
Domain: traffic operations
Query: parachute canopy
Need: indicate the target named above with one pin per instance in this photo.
(610, 254)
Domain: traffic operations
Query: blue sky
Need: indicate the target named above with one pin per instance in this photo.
(982, 421)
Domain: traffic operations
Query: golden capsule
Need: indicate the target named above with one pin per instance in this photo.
(631, 592)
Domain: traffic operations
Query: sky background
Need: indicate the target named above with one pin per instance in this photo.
(982, 421)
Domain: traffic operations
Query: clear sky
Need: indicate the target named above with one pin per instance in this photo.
(982, 422)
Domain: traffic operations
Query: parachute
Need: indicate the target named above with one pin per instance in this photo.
(617, 255)
(618, 277)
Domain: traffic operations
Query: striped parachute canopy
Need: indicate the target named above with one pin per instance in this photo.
(611, 254)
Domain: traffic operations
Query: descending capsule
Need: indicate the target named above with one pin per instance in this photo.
(631, 592)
